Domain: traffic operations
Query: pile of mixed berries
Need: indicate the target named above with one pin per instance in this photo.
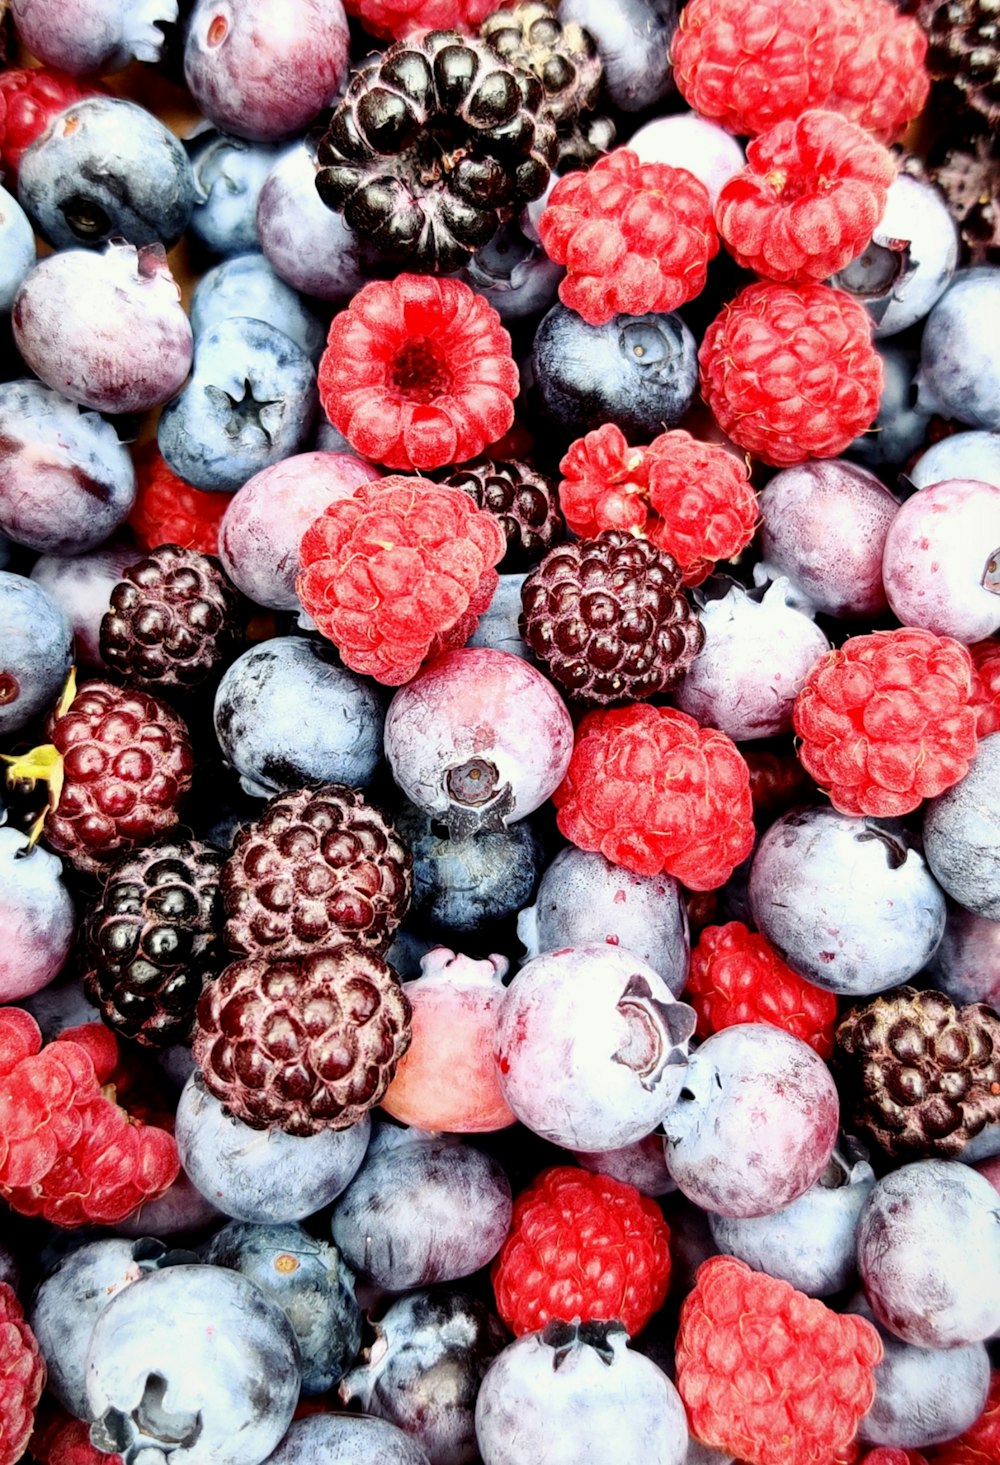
(500, 732)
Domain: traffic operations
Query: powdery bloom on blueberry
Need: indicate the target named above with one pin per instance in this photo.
(418, 373)
(655, 792)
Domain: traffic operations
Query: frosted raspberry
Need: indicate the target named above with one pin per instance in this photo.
(393, 20)
(980, 1444)
(790, 372)
(886, 721)
(169, 511)
(986, 686)
(418, 373)
(689, 498)
(768, 1374)
(34, 95)
(656, 793)
(398, 573)
(633, 236)
(582, 1246)
(737, 976)
(809, 199)
(22, 1377)
(881, 81)
(887, 1455)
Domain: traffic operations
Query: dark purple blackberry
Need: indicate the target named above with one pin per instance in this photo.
(525, 501)
(565, 58)
(154, 938)
(171, 620)
(610, 620)
(964, 49)
(433, 145)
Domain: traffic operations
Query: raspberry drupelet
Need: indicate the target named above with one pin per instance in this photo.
(393, 20)
(986, 686)
(169, 511)
(22, 1377)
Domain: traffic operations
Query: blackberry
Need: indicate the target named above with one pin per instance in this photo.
(171, 620)
(565, 58)
(525, 501)
(917, 1075)
(609, 618)
(589, 138)
(153, 939)
(969, 177)
(964, 49)
(433, 145)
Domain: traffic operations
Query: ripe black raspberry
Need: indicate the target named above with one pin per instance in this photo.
(525, 501)
(964, 49)
(565, 58)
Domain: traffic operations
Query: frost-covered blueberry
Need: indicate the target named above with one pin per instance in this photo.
(633, 38)
(66, 482)
(310, 1283)
(578, 1383)
(265, 520)
(963, 455)
(423, 1370)
(81, 586)
(346, 1439)
(642, 1164)
(17, 248)
(193, 1364)
(106, 169)
(423, 1208)
(962, 834)
(758, 651)
(499, 623)
(755, 1123)
(941, 562)
(929, 1254)
(900, 429)
(180, 1211)
(304, 242)
(260, 1175)
(638, 371)
(106, 330)
(229, 173)
(246, 285)
(513, 273)
(36, 645)
(824, 528)
(959, 367)
(591, 1047)
(849, 903)
(88, 36)
(286, 714)
(686, 140)
(967, 963)
(36, 917)
(250, 402)
(583, 898)
(812, 1242)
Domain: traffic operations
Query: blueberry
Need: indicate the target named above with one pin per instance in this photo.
(686, 140)
(229, 173)
(959, 365)
(306, 243)
(346, 1439)
(66, 482)
(193, 1364)
(17, 248)
(254, 1175)
(514, 274)
(36, 646)
(633, 38)
(88, 36)
(36, 917)
(309, 1282)
(107, 169)
(963, 455)
(962, 834)
(422, 1341)
(638, 371)
(498, 624)
(81, 586)
(967, 963)
(250, 402)
(245, 285)
(900, 429)
(286, 714)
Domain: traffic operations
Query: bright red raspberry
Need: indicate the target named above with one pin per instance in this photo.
(768, 1374)
(655, 792)
(582, 1246)
(34, 95)
(59, 1439)
(633, 236)
(418, 373)
(689, 498)
(398, 573)
(980, 1444)
(790, 371)
(882, 81)
(886, 1455)
(22, 1377)
(169, 511)
(887, 721)
(393, 20)
(809, 199)
(986, 686)
(737, 976)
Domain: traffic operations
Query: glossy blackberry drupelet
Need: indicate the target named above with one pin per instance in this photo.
(523, 499)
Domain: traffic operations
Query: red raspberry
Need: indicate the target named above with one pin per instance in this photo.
(61, 1440)
(882, 81)
(689, 498)
(886, 721)
(393, 20)
(737, 976)
(654, 792)
(768, 1374)
(886, 1455)
(169, 511)
(980, 1444)
(634, 237)
(986, 686)
(22, 1377)
(809, 199)
(582, 1246)
(790, 372)
(418, 373)
(34, 95)
(398, 573)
